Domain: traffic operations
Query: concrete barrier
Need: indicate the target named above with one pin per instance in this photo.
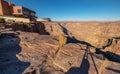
(15, 19)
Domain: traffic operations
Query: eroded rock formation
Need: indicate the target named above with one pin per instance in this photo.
(28, 27)
(33, 53)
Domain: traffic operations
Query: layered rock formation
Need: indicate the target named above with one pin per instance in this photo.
(28, 27)
(95, 33)
(53, 28)
(32, 53)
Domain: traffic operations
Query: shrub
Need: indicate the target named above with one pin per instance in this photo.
(2, 20)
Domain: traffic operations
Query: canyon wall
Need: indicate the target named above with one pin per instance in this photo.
(97, 34)
(30, 47)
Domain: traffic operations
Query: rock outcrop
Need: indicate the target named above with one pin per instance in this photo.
(28, 27)
(53, 28)
(32, 53)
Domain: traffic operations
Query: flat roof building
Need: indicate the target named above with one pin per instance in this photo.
(9, 9)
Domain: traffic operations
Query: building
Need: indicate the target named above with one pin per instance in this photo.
(20, 11)
(9, 9)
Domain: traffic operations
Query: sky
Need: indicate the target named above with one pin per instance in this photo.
(73, 10)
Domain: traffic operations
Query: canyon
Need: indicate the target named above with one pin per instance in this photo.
(91, 48)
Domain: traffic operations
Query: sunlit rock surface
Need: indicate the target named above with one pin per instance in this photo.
(32, 53)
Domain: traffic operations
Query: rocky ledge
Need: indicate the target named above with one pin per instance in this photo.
(32, 53)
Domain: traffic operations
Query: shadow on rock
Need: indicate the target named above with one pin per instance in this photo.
(84, 67)
(114, 70)
(74, 40)
(9, 63)
(109, 55)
